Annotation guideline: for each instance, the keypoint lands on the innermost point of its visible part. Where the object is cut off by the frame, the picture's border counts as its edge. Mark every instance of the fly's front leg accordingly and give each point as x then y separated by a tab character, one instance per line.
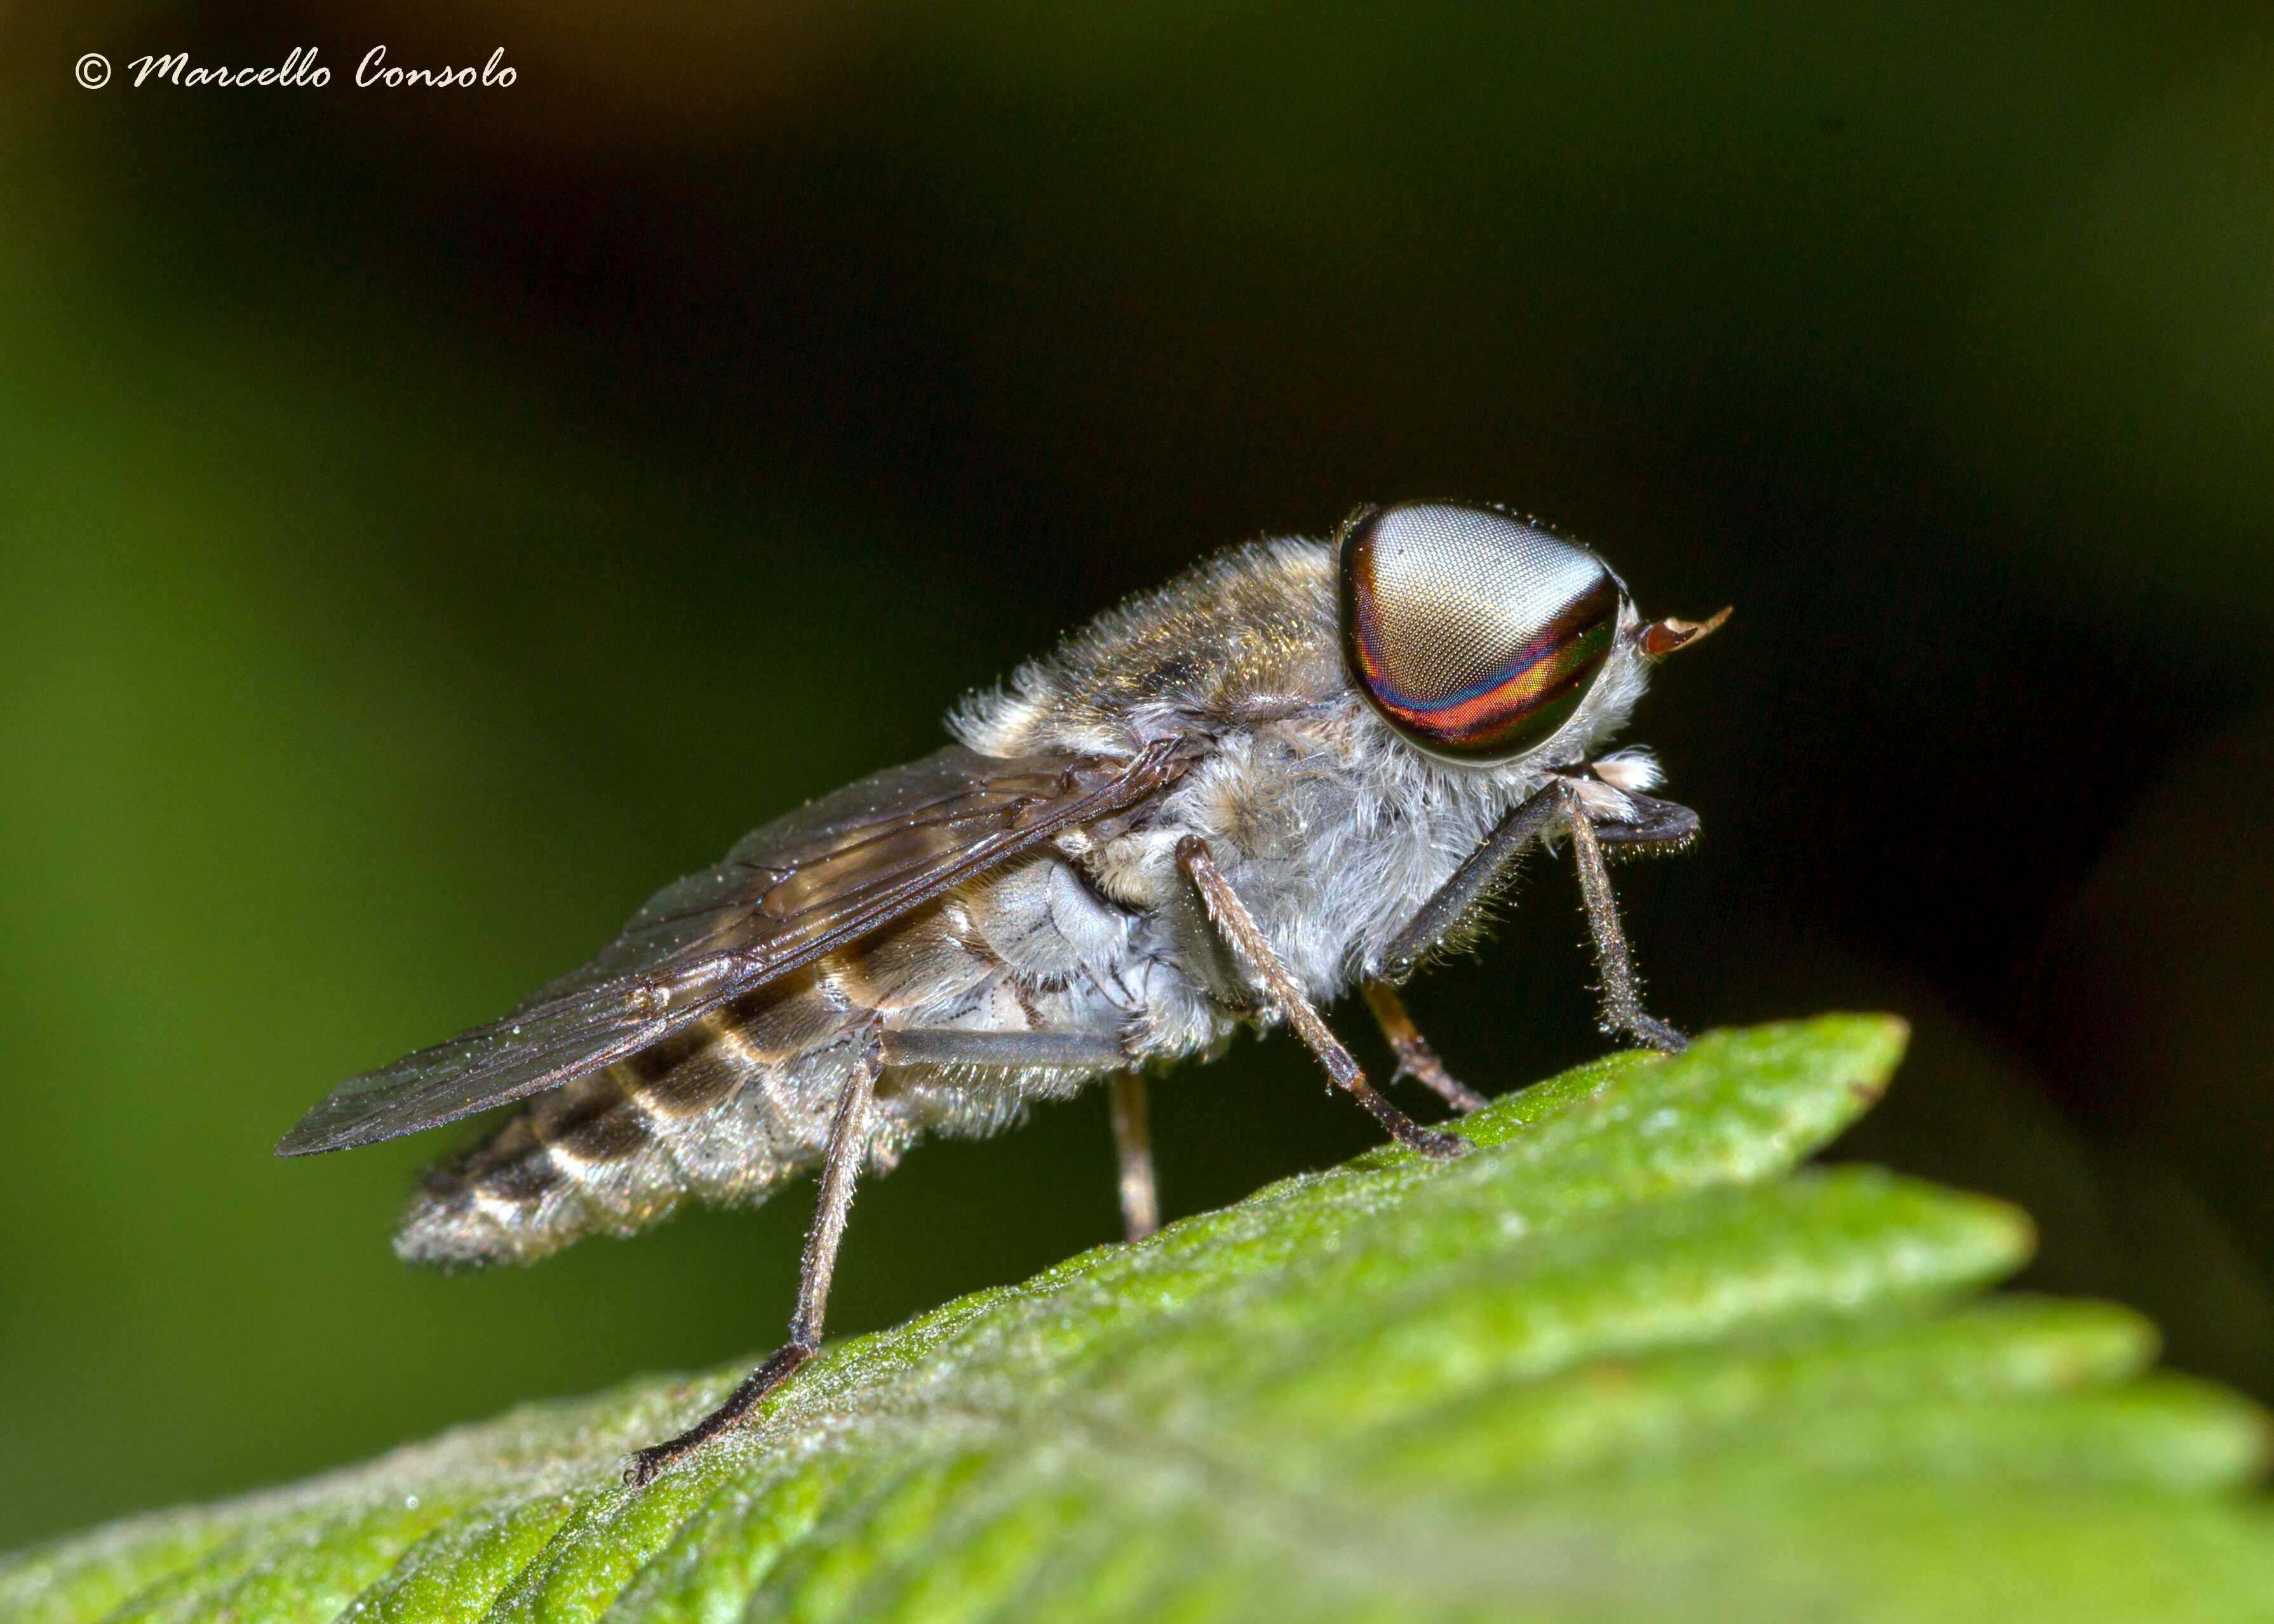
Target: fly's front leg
1622	1009
848	1142
1661	825
1416	1059
1479	874
1230	916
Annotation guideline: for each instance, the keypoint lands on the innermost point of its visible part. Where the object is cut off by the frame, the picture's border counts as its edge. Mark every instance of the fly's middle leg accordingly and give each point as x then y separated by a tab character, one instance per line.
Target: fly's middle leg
1140	1202
1230	916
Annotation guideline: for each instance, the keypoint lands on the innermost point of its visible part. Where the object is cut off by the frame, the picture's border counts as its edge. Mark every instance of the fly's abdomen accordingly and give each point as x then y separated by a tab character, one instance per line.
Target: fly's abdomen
724	1113
741	1101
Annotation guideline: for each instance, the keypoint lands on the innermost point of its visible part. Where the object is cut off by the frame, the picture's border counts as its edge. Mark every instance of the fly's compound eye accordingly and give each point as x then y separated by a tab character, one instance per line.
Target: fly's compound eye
1474	635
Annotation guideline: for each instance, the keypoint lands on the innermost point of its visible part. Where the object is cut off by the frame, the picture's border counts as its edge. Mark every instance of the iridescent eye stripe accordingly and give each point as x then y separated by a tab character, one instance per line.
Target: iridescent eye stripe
1518	703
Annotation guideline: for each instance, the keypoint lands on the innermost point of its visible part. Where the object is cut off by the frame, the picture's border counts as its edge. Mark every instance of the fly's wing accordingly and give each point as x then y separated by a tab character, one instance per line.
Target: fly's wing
787	894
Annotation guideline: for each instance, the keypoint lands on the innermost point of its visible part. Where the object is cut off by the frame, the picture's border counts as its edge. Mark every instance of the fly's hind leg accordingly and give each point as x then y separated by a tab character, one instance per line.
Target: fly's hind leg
1416	1059
1230	916
1141	1203
1133	1143
848	1142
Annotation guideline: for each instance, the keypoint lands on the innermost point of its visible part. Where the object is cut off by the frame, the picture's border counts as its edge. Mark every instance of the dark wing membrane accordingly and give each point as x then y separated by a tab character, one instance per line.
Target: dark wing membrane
787	894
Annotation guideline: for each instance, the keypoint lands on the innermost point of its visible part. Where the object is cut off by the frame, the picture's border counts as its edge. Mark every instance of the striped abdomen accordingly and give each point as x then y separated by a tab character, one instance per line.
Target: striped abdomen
741	1101
723	1112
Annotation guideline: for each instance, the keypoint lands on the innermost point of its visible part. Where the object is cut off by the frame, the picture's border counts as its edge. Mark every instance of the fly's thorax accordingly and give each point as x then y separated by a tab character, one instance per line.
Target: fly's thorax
1243	639
1248	632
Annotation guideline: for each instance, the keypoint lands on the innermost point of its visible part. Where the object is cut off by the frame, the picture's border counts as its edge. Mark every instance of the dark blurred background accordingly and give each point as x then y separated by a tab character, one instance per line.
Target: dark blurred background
430	520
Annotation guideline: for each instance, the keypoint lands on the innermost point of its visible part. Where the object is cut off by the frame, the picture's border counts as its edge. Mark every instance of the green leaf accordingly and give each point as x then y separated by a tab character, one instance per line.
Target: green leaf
1626	1362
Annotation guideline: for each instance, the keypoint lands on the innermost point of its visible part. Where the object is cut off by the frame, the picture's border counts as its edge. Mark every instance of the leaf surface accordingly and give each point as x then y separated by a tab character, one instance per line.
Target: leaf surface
1630	1361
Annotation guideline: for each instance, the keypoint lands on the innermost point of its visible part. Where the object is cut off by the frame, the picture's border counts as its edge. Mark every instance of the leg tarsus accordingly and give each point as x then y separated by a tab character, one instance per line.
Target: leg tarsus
1429	1142
1416	1059
780	1367
1657	1035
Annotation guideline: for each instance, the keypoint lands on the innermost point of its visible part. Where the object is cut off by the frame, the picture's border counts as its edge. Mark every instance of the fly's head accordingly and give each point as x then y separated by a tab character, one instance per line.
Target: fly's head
1479	637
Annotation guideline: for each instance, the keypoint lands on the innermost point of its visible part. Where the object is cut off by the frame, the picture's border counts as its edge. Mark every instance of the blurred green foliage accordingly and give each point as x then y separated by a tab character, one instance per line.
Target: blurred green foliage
427	525
1623	1363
